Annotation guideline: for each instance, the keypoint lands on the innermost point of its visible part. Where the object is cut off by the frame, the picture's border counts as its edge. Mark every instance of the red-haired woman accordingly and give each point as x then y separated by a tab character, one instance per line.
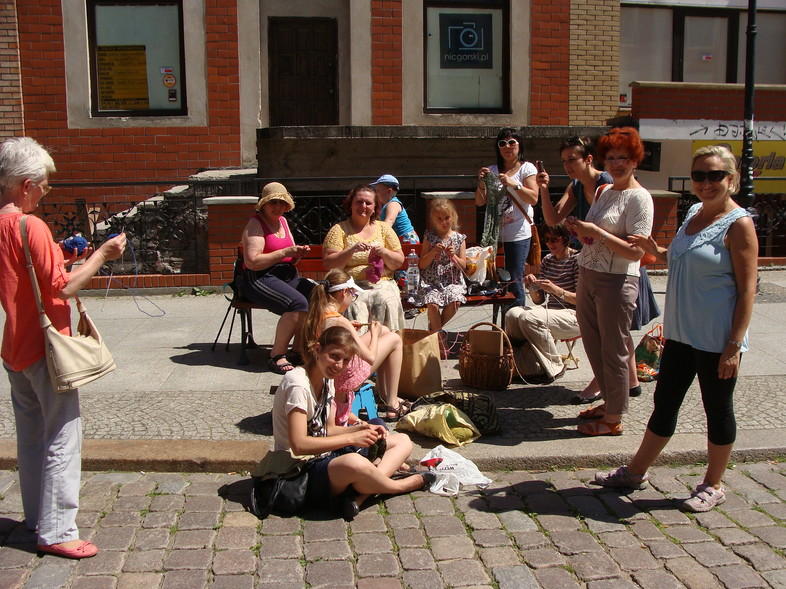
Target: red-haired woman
609	276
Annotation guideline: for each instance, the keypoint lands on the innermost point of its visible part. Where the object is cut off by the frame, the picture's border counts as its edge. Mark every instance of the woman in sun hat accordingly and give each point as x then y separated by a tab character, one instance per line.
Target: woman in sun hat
271	278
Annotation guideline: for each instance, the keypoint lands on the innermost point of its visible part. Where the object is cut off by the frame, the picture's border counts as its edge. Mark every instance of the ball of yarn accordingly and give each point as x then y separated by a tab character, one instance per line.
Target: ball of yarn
75	243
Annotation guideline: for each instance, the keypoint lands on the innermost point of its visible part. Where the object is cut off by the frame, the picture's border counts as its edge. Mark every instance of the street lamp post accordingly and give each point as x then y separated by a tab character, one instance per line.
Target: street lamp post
745	196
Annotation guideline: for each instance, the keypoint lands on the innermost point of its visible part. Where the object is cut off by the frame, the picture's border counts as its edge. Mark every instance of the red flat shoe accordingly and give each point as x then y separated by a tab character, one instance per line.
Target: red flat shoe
84	549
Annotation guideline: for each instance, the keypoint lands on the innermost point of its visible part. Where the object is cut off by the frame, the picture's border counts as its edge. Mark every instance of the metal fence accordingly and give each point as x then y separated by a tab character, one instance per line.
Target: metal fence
769	214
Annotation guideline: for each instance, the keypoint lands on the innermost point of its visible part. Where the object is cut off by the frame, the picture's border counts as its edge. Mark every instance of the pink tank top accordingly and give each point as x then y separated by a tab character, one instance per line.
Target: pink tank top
354	375
273	243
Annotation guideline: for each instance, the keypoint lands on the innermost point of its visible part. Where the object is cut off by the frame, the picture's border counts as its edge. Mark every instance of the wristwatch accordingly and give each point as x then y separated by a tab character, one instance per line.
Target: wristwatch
518	187
737	344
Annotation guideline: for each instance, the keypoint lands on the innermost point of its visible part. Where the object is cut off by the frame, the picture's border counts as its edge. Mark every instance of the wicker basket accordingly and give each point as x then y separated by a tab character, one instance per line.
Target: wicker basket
485	371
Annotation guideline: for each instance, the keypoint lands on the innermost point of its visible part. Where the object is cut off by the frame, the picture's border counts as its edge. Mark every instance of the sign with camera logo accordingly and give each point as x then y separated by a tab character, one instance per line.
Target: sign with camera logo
465	41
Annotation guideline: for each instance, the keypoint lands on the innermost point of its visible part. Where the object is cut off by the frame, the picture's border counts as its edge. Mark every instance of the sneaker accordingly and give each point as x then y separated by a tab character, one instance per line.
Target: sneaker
621	478
704	498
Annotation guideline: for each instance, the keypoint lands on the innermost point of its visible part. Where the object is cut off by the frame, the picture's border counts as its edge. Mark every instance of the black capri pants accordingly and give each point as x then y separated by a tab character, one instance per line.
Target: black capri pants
278	288
679	365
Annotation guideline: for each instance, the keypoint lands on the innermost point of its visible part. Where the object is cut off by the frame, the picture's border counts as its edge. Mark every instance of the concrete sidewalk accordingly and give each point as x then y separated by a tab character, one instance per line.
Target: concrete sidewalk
175	405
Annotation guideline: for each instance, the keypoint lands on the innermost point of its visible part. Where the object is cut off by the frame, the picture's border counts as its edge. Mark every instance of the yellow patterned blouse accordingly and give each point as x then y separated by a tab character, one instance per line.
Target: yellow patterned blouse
339	238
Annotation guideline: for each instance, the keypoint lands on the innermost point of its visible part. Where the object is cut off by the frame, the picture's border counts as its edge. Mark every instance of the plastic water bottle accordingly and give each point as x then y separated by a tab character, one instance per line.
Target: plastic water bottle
413	273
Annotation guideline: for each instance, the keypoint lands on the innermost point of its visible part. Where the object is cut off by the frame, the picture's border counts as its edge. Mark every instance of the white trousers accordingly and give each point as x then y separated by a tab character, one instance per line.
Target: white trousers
49	453
541	327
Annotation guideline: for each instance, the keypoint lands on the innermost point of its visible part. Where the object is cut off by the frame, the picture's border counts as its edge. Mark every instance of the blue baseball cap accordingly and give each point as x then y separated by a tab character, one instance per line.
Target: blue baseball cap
387	180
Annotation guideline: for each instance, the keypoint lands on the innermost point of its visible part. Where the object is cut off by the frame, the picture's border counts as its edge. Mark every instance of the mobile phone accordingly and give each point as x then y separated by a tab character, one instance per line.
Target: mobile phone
539	163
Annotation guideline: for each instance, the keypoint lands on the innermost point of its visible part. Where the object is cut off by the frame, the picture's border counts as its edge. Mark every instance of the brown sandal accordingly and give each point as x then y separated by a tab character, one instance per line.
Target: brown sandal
596	412
600	428
387	410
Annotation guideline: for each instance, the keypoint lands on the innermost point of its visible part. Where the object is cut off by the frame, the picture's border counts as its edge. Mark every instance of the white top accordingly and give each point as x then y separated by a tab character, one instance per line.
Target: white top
512	224
295	392
620	213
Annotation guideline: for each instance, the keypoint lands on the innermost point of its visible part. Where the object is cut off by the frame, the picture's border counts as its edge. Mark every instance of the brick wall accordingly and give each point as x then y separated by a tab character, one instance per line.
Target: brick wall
386	62
550	57
225	224
128	153
594	62
683	100
11	121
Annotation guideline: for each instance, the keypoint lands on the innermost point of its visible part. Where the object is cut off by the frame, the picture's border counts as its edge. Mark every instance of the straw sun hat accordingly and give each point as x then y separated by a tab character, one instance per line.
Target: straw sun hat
275	191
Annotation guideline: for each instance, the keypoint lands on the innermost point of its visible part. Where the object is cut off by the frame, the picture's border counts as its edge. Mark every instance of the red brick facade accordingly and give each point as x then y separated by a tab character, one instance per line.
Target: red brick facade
386	62
550	54
11	121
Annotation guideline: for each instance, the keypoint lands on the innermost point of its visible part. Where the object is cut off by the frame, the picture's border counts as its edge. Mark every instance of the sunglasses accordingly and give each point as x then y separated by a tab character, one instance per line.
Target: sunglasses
712	175
507	143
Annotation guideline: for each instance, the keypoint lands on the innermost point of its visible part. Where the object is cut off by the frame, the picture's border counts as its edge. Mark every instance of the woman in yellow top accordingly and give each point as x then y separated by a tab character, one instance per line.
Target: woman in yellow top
369	251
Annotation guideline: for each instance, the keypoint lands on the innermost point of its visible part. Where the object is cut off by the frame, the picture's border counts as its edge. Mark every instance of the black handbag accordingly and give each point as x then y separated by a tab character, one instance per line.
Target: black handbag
280	495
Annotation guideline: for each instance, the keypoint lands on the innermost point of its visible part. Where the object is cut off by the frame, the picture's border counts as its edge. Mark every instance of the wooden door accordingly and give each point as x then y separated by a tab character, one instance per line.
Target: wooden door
303	73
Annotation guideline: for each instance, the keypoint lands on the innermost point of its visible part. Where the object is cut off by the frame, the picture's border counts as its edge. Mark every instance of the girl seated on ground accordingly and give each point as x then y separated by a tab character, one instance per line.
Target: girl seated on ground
443	260
304	424
379	349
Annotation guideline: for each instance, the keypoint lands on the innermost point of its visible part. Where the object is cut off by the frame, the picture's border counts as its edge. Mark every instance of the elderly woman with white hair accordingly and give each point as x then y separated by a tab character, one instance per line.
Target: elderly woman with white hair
48	425
271	277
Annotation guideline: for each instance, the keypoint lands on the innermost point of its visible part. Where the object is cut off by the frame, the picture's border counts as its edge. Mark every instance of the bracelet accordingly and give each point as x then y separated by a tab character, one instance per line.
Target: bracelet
562	296
603	238
737	344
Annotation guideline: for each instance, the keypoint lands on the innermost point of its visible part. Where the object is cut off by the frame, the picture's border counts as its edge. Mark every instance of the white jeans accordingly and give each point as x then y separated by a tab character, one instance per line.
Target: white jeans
49	453
541	327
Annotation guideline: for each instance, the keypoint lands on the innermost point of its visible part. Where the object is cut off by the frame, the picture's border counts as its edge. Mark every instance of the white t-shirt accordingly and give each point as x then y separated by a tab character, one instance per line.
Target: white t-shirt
295	392
512	224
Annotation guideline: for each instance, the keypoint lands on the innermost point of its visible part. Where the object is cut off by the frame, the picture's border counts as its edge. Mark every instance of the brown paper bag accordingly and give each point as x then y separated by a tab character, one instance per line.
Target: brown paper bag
421	368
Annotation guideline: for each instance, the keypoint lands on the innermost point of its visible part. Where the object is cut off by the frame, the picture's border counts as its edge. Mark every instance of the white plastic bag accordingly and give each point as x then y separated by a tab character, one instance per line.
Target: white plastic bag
455	472
476	262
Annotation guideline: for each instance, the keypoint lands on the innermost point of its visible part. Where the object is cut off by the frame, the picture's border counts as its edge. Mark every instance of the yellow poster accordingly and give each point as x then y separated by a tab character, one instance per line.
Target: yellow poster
122	77
769	159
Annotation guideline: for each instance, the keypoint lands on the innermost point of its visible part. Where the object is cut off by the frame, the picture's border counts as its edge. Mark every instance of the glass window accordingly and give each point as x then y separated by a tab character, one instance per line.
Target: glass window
136	58
770	66
466	54
644	32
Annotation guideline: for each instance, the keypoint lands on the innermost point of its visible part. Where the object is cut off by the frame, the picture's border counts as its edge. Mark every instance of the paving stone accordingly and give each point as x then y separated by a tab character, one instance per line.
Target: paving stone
167	503
402	520
588	506
12	578
614	583
620	540
371	543
423	579
739	577
633	559
52	573
499	556
105	582
750	518
450	548
489	538
665	549
400	504
691	573
687	534
103	563
734	503
559	523
197	521
316	531
233	582
277	526
172	487
115	477
434	505
114	538
599	524
734	536
713	520
528	540
656	579
144	561
228	538
140	581
593	566
276	547
242	519
379	583
132	503
327	550
776	579
198	559
539	558
416	559
200	503
441	525
499	503
776	510
619	505
191	539
368	522
12	558
575	542
554	578
121	518
330	574
670	517
464	572
711	554
152	539
514	577
200	488
515	521
647	531
234	562
140	487
549	503
409	538
160	519
775	536
274	571
761	556
190	579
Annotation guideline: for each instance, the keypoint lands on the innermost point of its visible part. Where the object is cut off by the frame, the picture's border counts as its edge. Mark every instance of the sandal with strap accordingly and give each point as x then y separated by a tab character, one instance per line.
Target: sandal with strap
600	428
274	366
596	412
397	413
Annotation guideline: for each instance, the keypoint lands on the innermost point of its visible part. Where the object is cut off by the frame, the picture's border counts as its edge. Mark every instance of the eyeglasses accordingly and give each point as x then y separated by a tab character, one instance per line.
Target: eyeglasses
712	175
45	189
507	143
354	294
617	160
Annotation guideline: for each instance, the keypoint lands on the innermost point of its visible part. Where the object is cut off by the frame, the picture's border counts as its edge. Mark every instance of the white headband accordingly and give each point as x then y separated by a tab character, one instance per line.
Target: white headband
350	284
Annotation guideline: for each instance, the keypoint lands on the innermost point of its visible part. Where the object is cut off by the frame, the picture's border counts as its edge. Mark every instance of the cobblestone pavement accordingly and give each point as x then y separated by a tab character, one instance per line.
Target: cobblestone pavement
529	529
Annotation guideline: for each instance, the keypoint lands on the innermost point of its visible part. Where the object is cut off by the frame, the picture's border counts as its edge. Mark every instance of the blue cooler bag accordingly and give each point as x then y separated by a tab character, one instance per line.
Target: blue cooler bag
364	397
